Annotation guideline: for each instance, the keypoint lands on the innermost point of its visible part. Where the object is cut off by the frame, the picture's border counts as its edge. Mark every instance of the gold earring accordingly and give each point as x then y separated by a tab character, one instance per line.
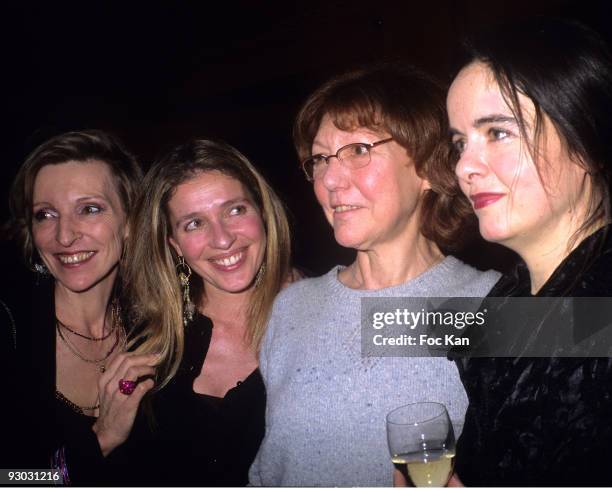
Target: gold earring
184	273
260	275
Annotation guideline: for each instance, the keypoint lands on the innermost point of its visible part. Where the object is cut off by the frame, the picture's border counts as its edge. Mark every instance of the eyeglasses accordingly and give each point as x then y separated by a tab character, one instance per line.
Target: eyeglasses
355	155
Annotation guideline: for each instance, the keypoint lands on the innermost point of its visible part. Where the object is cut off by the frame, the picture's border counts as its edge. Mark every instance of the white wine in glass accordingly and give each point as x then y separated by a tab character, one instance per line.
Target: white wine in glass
422	443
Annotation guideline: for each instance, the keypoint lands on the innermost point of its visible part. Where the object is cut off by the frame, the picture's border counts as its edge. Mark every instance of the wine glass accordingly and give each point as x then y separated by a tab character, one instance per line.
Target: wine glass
422	443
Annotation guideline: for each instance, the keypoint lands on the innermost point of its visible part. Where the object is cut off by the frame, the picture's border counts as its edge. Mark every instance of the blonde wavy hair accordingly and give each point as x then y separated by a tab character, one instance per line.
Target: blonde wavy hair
151	277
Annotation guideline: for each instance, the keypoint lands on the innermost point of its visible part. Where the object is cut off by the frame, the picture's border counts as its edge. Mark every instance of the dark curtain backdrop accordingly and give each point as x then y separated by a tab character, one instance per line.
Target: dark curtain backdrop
157	74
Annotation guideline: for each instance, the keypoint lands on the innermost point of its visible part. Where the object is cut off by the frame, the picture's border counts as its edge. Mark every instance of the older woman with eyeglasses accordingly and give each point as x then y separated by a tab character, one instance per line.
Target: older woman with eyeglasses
372	142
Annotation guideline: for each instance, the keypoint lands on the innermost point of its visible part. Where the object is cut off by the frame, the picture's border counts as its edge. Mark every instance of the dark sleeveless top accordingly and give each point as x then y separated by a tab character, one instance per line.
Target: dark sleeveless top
205	440
542	421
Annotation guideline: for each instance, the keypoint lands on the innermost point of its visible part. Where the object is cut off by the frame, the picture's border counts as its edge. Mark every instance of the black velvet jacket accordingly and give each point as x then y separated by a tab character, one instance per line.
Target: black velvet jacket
542	421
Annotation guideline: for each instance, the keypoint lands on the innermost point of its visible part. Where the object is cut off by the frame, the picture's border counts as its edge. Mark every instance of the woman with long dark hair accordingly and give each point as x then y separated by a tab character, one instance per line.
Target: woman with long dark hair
530	116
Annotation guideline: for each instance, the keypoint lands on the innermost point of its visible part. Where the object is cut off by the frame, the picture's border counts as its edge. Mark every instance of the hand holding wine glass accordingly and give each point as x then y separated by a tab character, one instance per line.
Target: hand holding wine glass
422	443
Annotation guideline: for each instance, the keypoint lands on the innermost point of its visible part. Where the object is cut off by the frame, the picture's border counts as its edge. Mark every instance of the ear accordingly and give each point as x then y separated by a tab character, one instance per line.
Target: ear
126	231
425	185
175	245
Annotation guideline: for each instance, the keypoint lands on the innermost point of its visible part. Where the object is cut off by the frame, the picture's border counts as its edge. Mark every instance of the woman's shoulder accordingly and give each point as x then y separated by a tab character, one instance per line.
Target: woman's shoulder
295	274
468	280
586	271
302	298
24	293
8	328
303	285
596	280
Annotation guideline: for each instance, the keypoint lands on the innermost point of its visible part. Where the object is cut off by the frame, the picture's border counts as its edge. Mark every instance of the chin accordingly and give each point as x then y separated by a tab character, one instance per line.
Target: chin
79	287
346	242
236	286
348	238
235	289
83	283
493	234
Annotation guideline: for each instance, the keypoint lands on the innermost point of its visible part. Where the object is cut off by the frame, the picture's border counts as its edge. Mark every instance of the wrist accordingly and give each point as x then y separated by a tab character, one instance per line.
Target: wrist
105	441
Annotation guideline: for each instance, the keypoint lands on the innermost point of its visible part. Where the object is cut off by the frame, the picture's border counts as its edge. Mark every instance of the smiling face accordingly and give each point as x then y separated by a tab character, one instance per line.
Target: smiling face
219	230
515	205
78	223
373	206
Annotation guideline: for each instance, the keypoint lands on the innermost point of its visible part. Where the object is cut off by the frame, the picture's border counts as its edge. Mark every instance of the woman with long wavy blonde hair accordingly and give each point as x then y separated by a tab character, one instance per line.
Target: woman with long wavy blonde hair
212	249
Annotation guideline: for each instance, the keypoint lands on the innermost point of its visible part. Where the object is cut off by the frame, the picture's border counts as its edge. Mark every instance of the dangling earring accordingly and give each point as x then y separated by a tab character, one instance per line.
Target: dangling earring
41	269
184	273
37	265
260	275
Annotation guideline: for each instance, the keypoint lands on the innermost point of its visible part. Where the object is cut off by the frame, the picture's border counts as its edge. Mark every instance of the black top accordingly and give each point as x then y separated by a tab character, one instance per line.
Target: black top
205	440
542	421
191	438
37	428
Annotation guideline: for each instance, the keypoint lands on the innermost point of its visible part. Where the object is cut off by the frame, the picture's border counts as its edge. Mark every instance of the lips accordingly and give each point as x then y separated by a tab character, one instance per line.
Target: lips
74	259
483	199
229	261
343	208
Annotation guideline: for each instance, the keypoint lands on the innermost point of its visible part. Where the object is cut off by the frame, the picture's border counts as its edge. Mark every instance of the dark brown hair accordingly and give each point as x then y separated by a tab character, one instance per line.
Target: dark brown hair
565	69
410	106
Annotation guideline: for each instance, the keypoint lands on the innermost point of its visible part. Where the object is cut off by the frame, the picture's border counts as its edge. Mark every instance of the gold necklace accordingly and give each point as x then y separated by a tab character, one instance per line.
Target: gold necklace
100	362
95	339
114	319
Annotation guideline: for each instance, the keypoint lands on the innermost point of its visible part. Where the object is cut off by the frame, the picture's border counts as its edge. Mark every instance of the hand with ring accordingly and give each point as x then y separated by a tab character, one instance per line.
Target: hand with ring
121	387
127	387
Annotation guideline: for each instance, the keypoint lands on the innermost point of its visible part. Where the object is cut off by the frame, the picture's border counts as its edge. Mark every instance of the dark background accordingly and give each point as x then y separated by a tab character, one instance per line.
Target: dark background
157	74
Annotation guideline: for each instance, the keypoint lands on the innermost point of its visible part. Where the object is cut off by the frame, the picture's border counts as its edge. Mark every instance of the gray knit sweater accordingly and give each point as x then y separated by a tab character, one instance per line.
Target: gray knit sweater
326	404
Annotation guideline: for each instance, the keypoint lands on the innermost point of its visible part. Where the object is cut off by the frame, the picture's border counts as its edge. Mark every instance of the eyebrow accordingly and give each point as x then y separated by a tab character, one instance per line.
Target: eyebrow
79	200
93	196
361	140
494	118
481	121
42	203
316	143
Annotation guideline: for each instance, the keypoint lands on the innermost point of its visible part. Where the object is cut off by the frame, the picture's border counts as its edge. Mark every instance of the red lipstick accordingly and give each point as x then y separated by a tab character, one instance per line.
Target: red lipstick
483	199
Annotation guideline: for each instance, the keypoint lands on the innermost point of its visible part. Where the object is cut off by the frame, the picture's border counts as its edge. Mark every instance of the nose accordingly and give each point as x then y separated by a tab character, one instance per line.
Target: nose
471	164
336	175
222	237
67	231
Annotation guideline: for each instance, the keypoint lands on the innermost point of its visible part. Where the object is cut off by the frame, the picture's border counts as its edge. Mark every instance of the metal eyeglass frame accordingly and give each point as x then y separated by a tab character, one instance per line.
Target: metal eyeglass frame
368	146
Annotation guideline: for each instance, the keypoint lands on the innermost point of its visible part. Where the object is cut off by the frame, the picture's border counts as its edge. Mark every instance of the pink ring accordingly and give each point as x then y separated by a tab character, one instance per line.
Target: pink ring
126	386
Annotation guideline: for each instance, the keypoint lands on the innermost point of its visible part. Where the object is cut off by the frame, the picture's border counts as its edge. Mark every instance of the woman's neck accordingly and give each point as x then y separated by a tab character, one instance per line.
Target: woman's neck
225	306
87	312
547	253
391	265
